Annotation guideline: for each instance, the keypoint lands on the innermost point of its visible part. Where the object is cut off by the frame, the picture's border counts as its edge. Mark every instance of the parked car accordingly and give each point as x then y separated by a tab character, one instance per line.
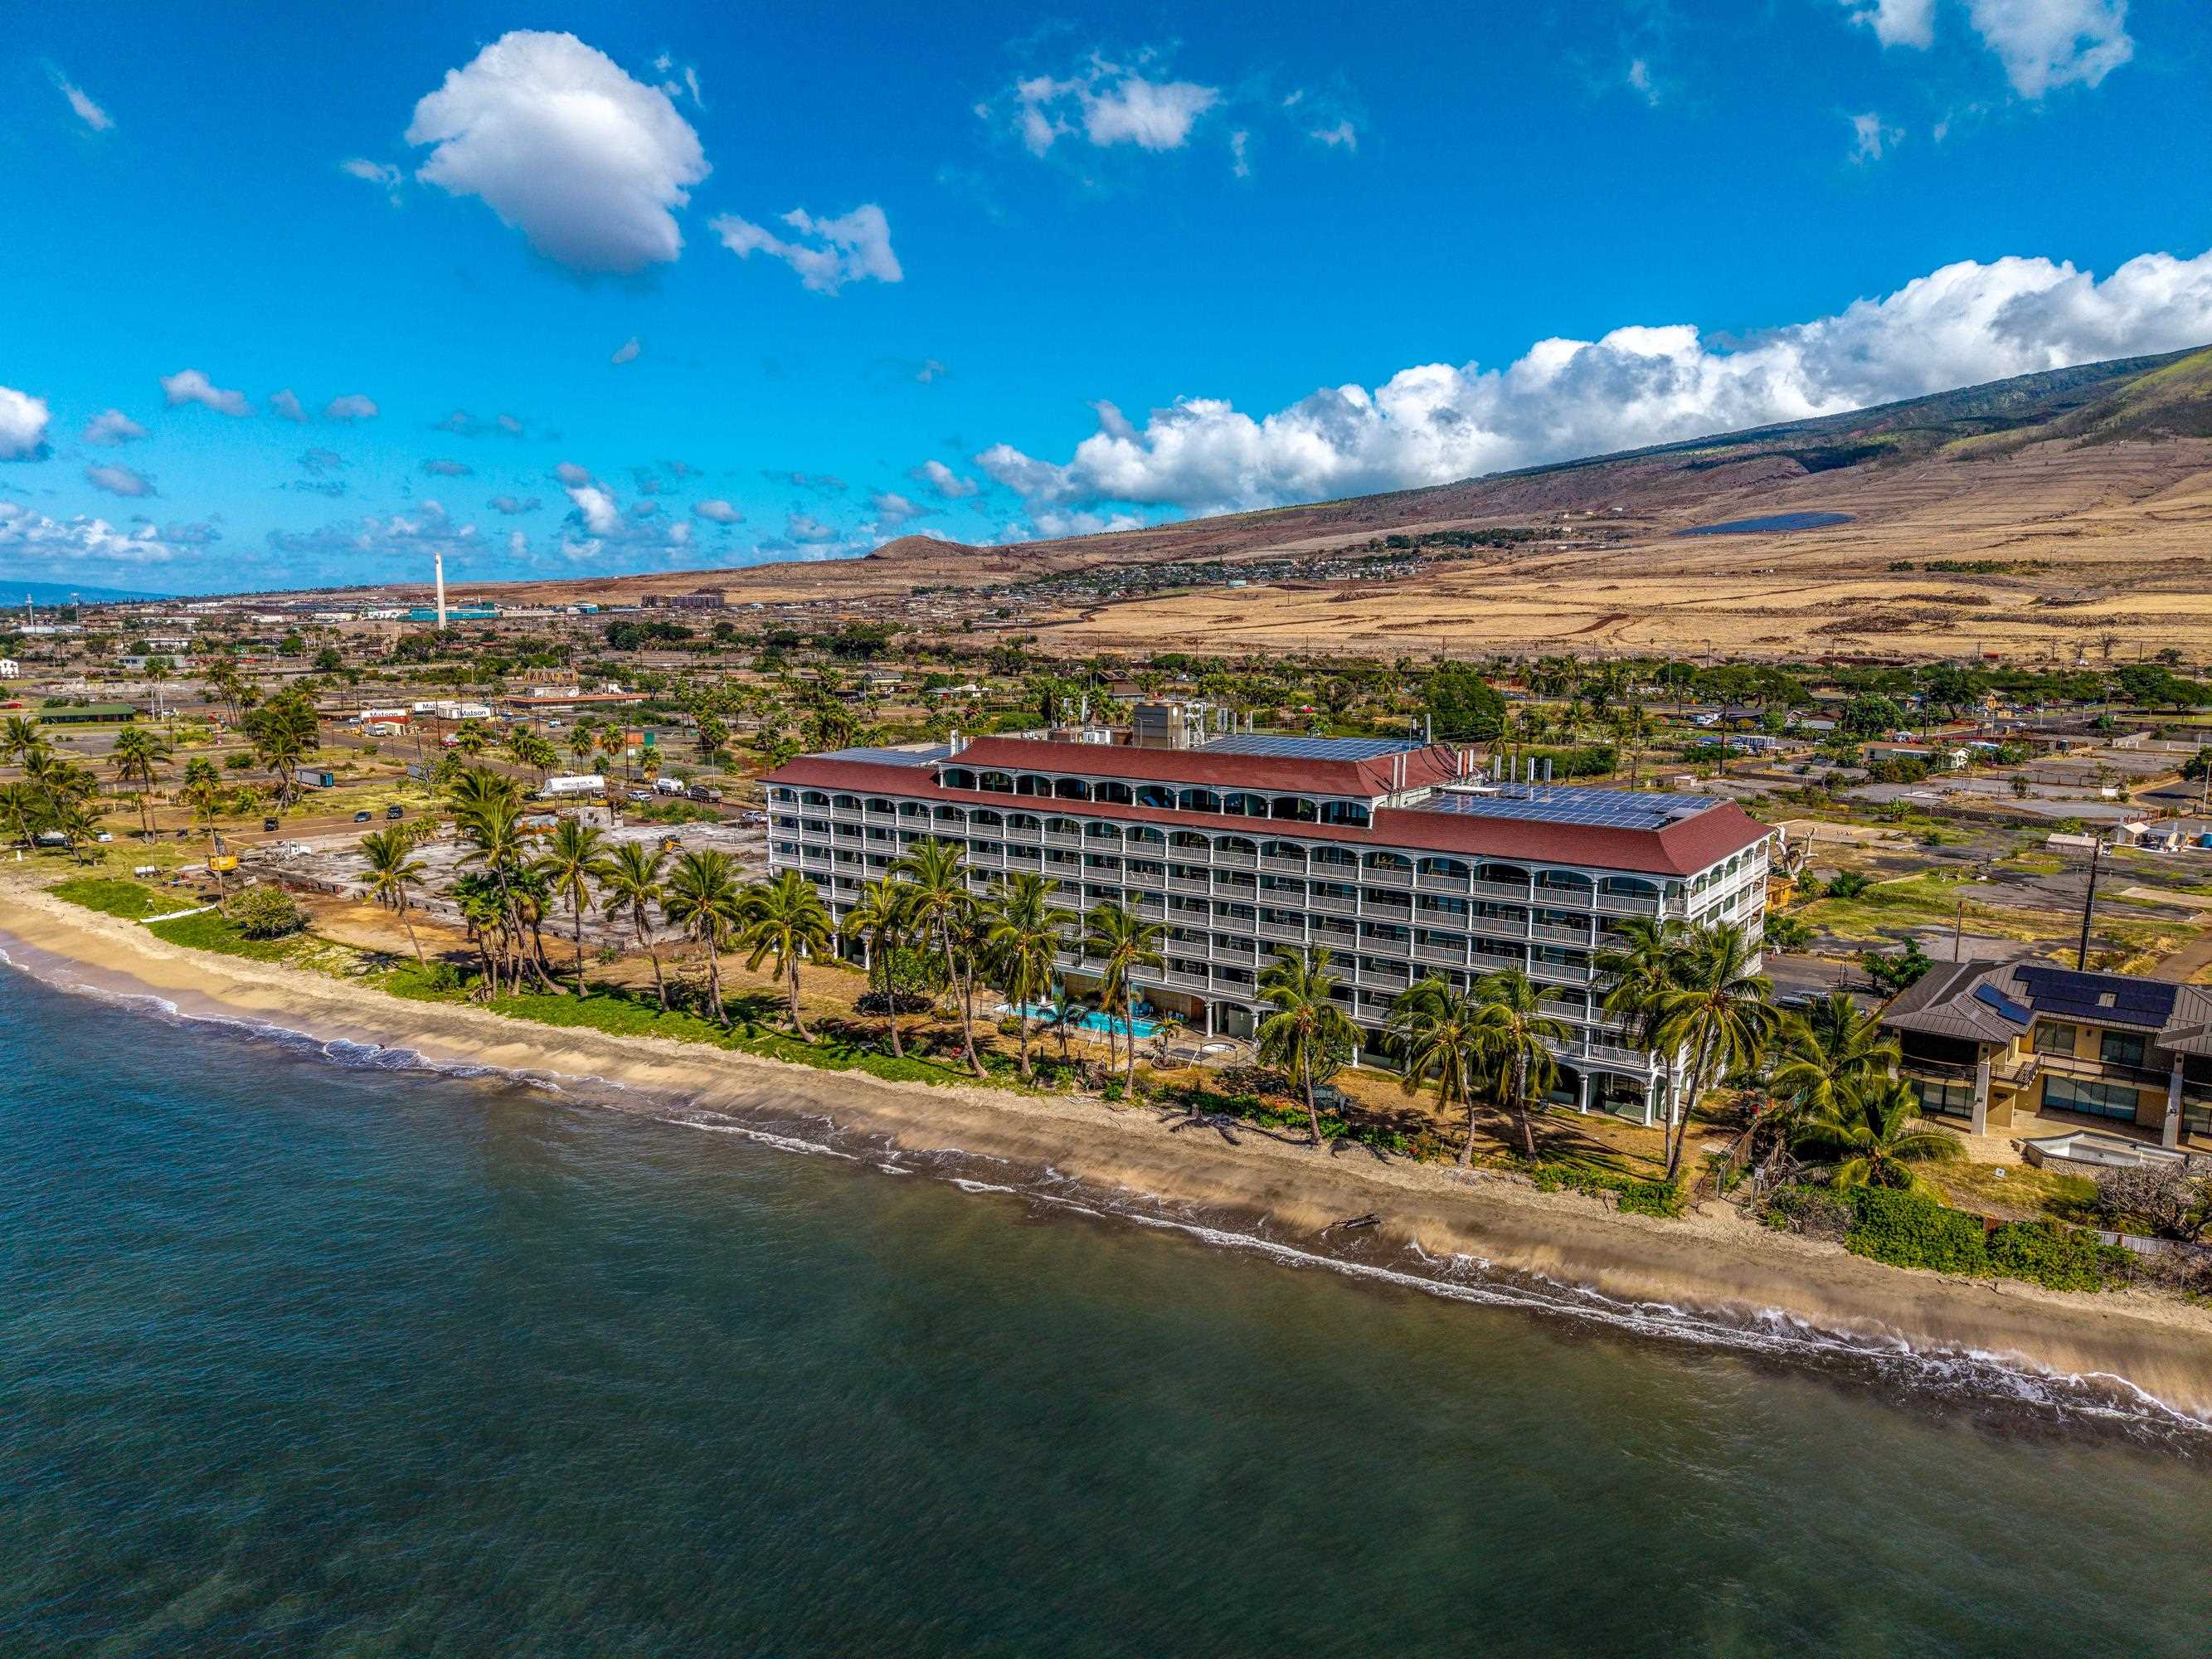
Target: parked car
640	796
103	837
361	817
268	826
395	812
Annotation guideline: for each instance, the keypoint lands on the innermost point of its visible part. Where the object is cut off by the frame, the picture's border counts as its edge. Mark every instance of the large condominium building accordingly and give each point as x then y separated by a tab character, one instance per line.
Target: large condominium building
1401	859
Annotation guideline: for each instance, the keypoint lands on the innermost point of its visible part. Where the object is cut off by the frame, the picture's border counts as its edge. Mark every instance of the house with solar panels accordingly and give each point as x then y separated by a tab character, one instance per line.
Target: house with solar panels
1993	1044
1401	857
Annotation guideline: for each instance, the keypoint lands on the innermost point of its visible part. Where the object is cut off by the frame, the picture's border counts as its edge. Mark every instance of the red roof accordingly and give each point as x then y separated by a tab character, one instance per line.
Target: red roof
1362	778
1681	849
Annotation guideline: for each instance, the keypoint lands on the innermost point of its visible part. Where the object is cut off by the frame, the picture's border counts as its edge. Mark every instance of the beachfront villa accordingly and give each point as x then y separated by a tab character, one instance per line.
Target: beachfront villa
1996	1043
1402	858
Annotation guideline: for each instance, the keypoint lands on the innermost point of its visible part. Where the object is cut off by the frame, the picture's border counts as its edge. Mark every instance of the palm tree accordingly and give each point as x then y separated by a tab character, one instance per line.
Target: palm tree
785	919
1433	1032
1719	1011
22	806
576	856
703	900
882	921
1515	1035
1122	941
1024	938
393	870
1870	1135
138	754
630	883
1828	1051
19	735
937	891
1309	1036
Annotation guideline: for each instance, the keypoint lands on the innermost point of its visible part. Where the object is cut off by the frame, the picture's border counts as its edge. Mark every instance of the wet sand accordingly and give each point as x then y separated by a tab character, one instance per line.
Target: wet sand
1240	1183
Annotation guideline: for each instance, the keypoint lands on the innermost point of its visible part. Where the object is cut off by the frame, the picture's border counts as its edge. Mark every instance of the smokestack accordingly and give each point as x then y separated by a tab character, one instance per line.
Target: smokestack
1548	768
438	573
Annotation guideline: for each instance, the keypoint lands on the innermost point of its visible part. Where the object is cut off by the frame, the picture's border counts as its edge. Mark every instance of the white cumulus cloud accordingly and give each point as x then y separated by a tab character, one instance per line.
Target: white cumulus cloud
827	253
1870	138
27	532
350	406
111	426
2041	44
118	480
1108	104
628	351
596	509
943	480
285	405
382	174
1898	22
87	111
1343	135
717	511
189	385
565	146
23	420
1964	323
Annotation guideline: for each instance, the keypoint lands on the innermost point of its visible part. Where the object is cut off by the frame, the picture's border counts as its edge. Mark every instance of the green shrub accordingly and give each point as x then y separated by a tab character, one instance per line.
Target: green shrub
2061	1258
266	913
1635	1195
1908	1230
1814	1211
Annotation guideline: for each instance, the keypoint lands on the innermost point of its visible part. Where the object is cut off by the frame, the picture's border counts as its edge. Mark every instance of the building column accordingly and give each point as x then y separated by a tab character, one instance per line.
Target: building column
1206	1013
1581	1093
1981	1097
2169	1135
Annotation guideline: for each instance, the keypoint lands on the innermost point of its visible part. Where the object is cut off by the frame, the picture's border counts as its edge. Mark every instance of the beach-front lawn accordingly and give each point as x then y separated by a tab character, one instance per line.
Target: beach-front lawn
112	896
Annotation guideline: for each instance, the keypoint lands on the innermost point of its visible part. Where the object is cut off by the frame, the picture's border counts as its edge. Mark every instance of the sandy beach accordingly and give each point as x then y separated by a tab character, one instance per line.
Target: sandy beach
1712	1265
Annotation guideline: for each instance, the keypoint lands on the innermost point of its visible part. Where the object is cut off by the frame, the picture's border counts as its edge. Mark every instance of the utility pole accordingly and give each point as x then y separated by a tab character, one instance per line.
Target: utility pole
1958	927
2088	905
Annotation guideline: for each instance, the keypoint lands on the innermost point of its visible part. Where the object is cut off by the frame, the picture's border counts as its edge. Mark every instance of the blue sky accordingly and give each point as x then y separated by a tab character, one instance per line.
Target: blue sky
655	287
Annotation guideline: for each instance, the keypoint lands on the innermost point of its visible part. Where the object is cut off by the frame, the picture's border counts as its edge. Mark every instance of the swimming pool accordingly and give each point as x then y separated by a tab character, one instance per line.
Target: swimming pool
1095	1021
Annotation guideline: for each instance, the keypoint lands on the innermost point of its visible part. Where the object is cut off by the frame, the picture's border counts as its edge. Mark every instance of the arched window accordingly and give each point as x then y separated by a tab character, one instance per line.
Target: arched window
1188	840
998	783
1628	887
949	815
1198	800
1283	849
912	808
1070	789
1062	827
1296	808
1144	835
1155	795
1236	844
1332	858
881	803
983	818
1564	881
814	798
957	777
1511	875
1443	867
847	803
1101	832
1120	794
1032	783
782	796
1027	821
1344	811
1391	861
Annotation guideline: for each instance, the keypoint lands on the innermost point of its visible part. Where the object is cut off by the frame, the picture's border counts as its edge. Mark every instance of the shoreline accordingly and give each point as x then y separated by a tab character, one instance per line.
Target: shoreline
1709	1277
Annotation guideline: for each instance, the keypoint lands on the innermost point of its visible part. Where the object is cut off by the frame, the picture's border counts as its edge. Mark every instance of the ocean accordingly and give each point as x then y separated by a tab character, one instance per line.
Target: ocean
309	1352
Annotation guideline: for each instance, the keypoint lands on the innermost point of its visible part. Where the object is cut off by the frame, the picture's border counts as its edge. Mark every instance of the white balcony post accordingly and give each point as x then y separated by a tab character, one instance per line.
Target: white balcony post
2170	1134
1982	1097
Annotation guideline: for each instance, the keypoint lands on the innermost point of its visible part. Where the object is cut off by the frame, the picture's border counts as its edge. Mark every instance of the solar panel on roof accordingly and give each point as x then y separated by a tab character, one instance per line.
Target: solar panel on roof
2073	994
890	756
1990	997
1294	748
1610	808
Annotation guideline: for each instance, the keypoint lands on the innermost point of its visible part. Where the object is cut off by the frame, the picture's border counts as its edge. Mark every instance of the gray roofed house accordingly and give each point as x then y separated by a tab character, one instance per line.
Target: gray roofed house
1993	1042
